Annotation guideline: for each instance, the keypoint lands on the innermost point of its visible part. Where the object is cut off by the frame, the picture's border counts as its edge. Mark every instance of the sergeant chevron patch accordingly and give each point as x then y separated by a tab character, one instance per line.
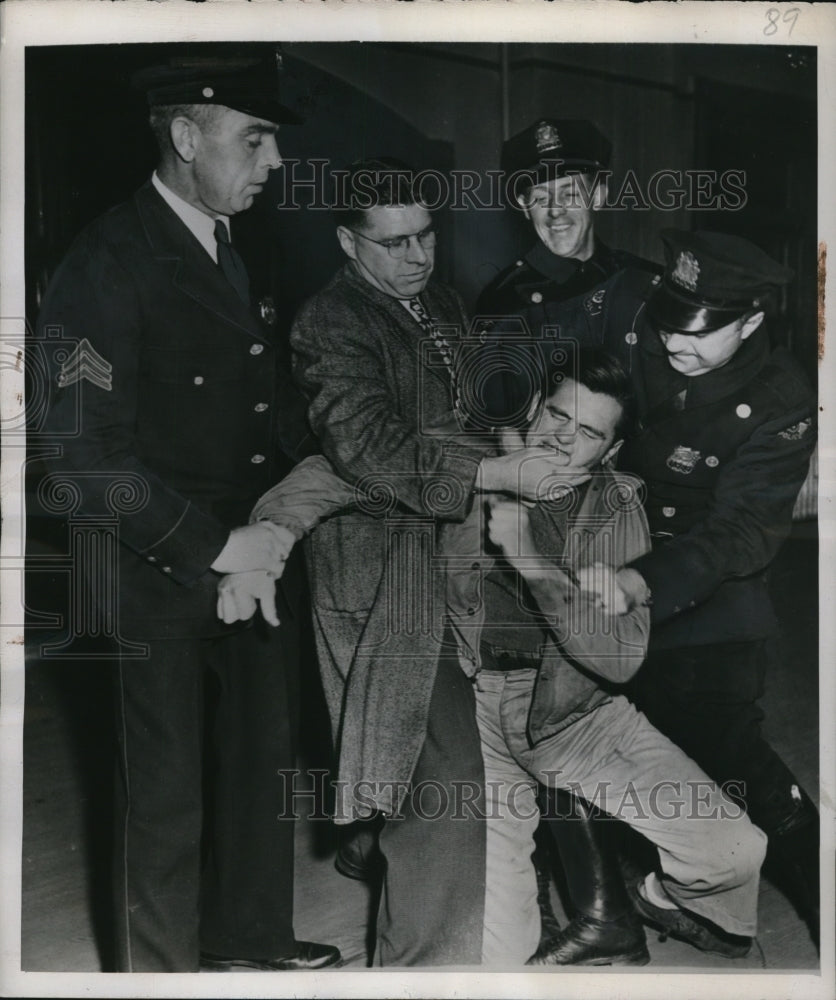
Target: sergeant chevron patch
86	362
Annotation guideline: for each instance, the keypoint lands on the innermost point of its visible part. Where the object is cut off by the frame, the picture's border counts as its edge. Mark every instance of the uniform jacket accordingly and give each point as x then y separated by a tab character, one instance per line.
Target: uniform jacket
377	388
511	313
587	651
199	417
529	284
723	456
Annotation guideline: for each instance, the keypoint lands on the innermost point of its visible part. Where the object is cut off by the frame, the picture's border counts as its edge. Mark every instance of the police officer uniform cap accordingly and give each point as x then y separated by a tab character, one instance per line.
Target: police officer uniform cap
555	147
245	84
710	280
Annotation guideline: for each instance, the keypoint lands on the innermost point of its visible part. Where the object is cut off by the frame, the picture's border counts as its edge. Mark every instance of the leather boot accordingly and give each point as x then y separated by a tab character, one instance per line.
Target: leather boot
549	924
606	929
792	861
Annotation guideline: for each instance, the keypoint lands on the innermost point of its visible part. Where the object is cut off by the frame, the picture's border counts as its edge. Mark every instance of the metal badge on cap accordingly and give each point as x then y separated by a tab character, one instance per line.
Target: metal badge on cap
267	310
547	138
687	270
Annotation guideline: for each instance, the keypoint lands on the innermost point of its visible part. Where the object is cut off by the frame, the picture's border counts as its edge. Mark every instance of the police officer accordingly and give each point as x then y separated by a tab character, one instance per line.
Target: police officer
726	433
555	173
189	406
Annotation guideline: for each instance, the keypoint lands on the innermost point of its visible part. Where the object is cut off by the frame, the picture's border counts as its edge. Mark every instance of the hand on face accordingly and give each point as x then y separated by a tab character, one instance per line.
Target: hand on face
577	424
532	474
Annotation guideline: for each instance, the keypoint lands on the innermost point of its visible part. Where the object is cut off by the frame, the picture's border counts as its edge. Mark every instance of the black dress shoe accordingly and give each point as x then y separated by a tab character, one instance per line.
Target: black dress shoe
686	926
308	955
586	941
358	855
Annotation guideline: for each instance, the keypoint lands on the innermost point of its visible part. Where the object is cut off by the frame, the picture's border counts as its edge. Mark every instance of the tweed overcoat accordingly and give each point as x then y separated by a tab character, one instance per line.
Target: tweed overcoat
378	389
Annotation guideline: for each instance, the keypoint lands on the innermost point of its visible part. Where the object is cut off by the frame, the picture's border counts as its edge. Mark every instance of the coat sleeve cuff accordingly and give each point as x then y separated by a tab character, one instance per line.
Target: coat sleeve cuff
678	581
188	549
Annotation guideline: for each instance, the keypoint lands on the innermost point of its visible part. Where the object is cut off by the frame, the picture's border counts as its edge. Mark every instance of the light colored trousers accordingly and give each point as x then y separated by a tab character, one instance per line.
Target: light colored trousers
710	852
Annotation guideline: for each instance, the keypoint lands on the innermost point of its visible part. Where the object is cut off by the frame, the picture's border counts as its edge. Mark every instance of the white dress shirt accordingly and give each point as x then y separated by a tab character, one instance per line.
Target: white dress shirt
199	224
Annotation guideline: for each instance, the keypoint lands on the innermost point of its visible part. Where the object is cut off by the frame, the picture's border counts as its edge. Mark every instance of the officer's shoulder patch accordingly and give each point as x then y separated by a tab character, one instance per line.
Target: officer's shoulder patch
797	431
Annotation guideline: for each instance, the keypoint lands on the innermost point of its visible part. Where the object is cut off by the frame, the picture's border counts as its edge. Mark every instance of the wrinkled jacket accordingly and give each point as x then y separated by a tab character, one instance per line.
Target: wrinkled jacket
377	387
586	646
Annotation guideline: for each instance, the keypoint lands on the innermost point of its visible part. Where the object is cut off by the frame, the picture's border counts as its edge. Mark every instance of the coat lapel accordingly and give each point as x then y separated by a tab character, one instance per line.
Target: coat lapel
408	330
193	271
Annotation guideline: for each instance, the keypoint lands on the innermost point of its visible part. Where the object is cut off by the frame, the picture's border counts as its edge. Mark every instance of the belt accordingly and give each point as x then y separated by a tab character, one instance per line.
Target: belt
504	660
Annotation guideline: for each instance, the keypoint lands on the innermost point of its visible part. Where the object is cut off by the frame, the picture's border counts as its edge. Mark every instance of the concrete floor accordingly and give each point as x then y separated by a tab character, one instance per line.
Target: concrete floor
65	924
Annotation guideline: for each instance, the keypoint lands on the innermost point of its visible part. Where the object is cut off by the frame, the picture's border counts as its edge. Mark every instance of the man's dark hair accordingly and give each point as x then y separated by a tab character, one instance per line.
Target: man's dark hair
371	183
598	371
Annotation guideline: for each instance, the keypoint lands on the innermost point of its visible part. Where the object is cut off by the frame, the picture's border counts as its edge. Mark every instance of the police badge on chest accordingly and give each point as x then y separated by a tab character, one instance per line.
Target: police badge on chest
683	459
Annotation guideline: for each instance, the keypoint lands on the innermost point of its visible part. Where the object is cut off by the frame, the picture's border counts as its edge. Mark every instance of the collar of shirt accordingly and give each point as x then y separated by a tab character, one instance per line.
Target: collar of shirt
561	269
700	390
199	224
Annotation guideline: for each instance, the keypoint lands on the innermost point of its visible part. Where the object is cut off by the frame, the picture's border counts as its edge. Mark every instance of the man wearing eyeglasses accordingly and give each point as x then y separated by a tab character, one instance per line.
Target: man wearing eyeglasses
376	353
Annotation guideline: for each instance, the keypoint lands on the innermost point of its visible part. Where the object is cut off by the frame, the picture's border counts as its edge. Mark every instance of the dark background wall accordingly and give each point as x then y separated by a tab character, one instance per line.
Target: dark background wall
665	107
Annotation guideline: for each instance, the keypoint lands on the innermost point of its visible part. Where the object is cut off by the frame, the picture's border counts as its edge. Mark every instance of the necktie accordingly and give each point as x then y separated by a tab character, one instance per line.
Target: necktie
230	262
416	308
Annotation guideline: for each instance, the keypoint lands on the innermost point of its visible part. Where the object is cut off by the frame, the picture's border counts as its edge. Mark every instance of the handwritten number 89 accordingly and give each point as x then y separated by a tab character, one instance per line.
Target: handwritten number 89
773	17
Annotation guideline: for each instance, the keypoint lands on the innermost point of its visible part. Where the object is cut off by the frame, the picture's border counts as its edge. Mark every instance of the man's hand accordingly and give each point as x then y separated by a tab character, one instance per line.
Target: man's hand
535	474
599	582
510	529
618	591
633	588
240	593
259	546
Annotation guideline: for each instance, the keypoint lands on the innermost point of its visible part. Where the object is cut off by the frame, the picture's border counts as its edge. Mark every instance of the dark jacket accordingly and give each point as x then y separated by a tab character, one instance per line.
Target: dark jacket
200	415
507	362
723	456
530	283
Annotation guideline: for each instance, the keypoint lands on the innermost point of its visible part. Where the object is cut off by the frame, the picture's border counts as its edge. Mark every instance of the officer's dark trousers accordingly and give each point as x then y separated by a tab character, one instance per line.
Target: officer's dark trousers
202	860
433	898
705	698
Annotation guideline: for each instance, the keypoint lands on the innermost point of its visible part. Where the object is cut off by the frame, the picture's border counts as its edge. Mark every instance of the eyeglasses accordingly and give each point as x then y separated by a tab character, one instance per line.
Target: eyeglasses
398	245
